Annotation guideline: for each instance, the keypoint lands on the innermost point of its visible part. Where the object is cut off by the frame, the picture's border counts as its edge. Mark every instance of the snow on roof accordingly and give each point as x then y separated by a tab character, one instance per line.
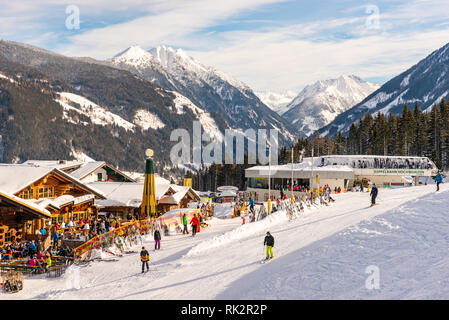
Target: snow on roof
27	203
16	177
62	201
227	193
87	168
302	170
127	194
60	164
223	188
176	197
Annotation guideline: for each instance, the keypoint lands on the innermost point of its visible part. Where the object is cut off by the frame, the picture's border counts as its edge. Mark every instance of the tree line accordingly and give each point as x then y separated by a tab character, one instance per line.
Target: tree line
414	132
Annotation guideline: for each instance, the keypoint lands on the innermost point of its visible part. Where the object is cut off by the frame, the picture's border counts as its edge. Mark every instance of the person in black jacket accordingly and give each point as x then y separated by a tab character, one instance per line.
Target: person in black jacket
373	194
157	240
269	242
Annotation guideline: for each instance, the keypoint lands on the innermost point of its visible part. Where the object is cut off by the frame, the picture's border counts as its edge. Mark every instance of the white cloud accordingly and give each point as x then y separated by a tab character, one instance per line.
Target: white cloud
169	22
277	60
283	55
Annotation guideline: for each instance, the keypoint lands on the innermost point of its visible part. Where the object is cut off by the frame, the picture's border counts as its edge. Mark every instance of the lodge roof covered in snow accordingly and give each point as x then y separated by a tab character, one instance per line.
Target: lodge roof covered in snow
128	194
87	168
16	177
300	170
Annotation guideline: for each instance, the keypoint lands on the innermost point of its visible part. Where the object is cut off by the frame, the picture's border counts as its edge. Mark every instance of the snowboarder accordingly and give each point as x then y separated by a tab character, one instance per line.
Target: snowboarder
194	222
269	242
438	180
184	222
373	194
157	240
144	257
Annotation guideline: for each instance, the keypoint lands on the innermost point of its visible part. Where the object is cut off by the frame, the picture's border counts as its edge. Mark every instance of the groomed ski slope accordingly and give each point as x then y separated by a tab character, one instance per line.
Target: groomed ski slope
322	254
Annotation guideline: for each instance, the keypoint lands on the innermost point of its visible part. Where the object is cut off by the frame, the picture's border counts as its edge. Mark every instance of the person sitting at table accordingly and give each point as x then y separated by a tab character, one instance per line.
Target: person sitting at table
32	262
40	257
7	254
70	225
48	261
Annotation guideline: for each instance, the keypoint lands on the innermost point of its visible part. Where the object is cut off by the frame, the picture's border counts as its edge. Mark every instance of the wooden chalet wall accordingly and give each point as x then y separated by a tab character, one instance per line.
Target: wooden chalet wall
53	186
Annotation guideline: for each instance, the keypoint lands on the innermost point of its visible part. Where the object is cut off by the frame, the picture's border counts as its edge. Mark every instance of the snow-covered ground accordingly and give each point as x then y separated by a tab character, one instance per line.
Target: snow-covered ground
323	254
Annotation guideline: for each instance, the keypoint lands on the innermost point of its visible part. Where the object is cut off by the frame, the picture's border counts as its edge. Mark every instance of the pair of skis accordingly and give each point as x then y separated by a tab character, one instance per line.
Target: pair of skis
266	260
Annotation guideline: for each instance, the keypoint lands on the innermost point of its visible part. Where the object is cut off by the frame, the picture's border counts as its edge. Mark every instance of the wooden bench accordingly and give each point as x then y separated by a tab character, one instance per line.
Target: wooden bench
22	268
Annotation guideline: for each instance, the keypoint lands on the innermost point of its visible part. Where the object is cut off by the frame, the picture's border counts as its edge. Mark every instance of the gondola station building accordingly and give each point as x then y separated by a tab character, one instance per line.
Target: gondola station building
343	172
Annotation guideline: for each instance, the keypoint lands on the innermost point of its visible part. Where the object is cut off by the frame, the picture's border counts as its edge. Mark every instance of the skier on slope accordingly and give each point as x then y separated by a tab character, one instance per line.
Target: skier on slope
144	257
184	223
157	240
269	242
373	194
438	180
194	222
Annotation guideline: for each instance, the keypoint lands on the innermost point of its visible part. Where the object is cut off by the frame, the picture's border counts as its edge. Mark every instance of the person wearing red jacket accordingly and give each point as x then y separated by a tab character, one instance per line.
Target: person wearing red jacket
194	222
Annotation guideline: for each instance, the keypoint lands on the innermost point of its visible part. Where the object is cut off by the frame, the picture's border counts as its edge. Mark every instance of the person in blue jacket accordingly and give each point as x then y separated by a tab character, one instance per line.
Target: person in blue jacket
32	249
55	238
251	204
438	180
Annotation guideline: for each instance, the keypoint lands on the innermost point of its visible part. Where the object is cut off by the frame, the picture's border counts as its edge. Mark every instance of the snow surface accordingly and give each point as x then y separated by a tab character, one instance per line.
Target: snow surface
97	114
325	253
276	101
147	120
207	122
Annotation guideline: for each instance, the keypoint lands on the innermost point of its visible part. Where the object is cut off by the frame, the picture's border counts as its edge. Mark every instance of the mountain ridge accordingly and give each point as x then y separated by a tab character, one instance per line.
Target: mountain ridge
425	83
319	103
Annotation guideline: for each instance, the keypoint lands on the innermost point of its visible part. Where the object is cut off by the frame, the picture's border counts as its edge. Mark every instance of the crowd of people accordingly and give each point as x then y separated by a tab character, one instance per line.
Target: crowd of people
33	253
380	163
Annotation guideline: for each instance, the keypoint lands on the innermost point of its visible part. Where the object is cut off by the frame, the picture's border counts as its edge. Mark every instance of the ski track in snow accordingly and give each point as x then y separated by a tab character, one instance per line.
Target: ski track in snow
323	254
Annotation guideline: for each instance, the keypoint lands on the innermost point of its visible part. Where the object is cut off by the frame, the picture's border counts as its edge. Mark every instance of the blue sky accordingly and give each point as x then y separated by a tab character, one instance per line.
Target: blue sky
275	45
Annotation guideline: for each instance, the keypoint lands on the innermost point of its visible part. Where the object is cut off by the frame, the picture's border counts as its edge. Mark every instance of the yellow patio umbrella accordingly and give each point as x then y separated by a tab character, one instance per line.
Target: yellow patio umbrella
149	206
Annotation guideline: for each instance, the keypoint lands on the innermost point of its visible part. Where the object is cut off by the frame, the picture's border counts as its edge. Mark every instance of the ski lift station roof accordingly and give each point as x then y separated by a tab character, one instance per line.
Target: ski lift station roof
302	170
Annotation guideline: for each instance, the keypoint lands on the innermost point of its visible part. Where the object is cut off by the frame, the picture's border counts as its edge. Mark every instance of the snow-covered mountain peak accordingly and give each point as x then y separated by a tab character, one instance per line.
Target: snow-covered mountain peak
173	60
134	56
319	103
231	101
135	51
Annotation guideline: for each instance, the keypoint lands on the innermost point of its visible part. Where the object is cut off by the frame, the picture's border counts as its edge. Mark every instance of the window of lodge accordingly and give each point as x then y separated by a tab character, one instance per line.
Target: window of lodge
46	192
27	194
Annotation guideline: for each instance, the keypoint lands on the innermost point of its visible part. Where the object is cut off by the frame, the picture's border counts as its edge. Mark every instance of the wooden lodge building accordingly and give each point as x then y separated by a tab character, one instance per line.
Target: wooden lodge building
124	199
33	197
15	213
39	194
